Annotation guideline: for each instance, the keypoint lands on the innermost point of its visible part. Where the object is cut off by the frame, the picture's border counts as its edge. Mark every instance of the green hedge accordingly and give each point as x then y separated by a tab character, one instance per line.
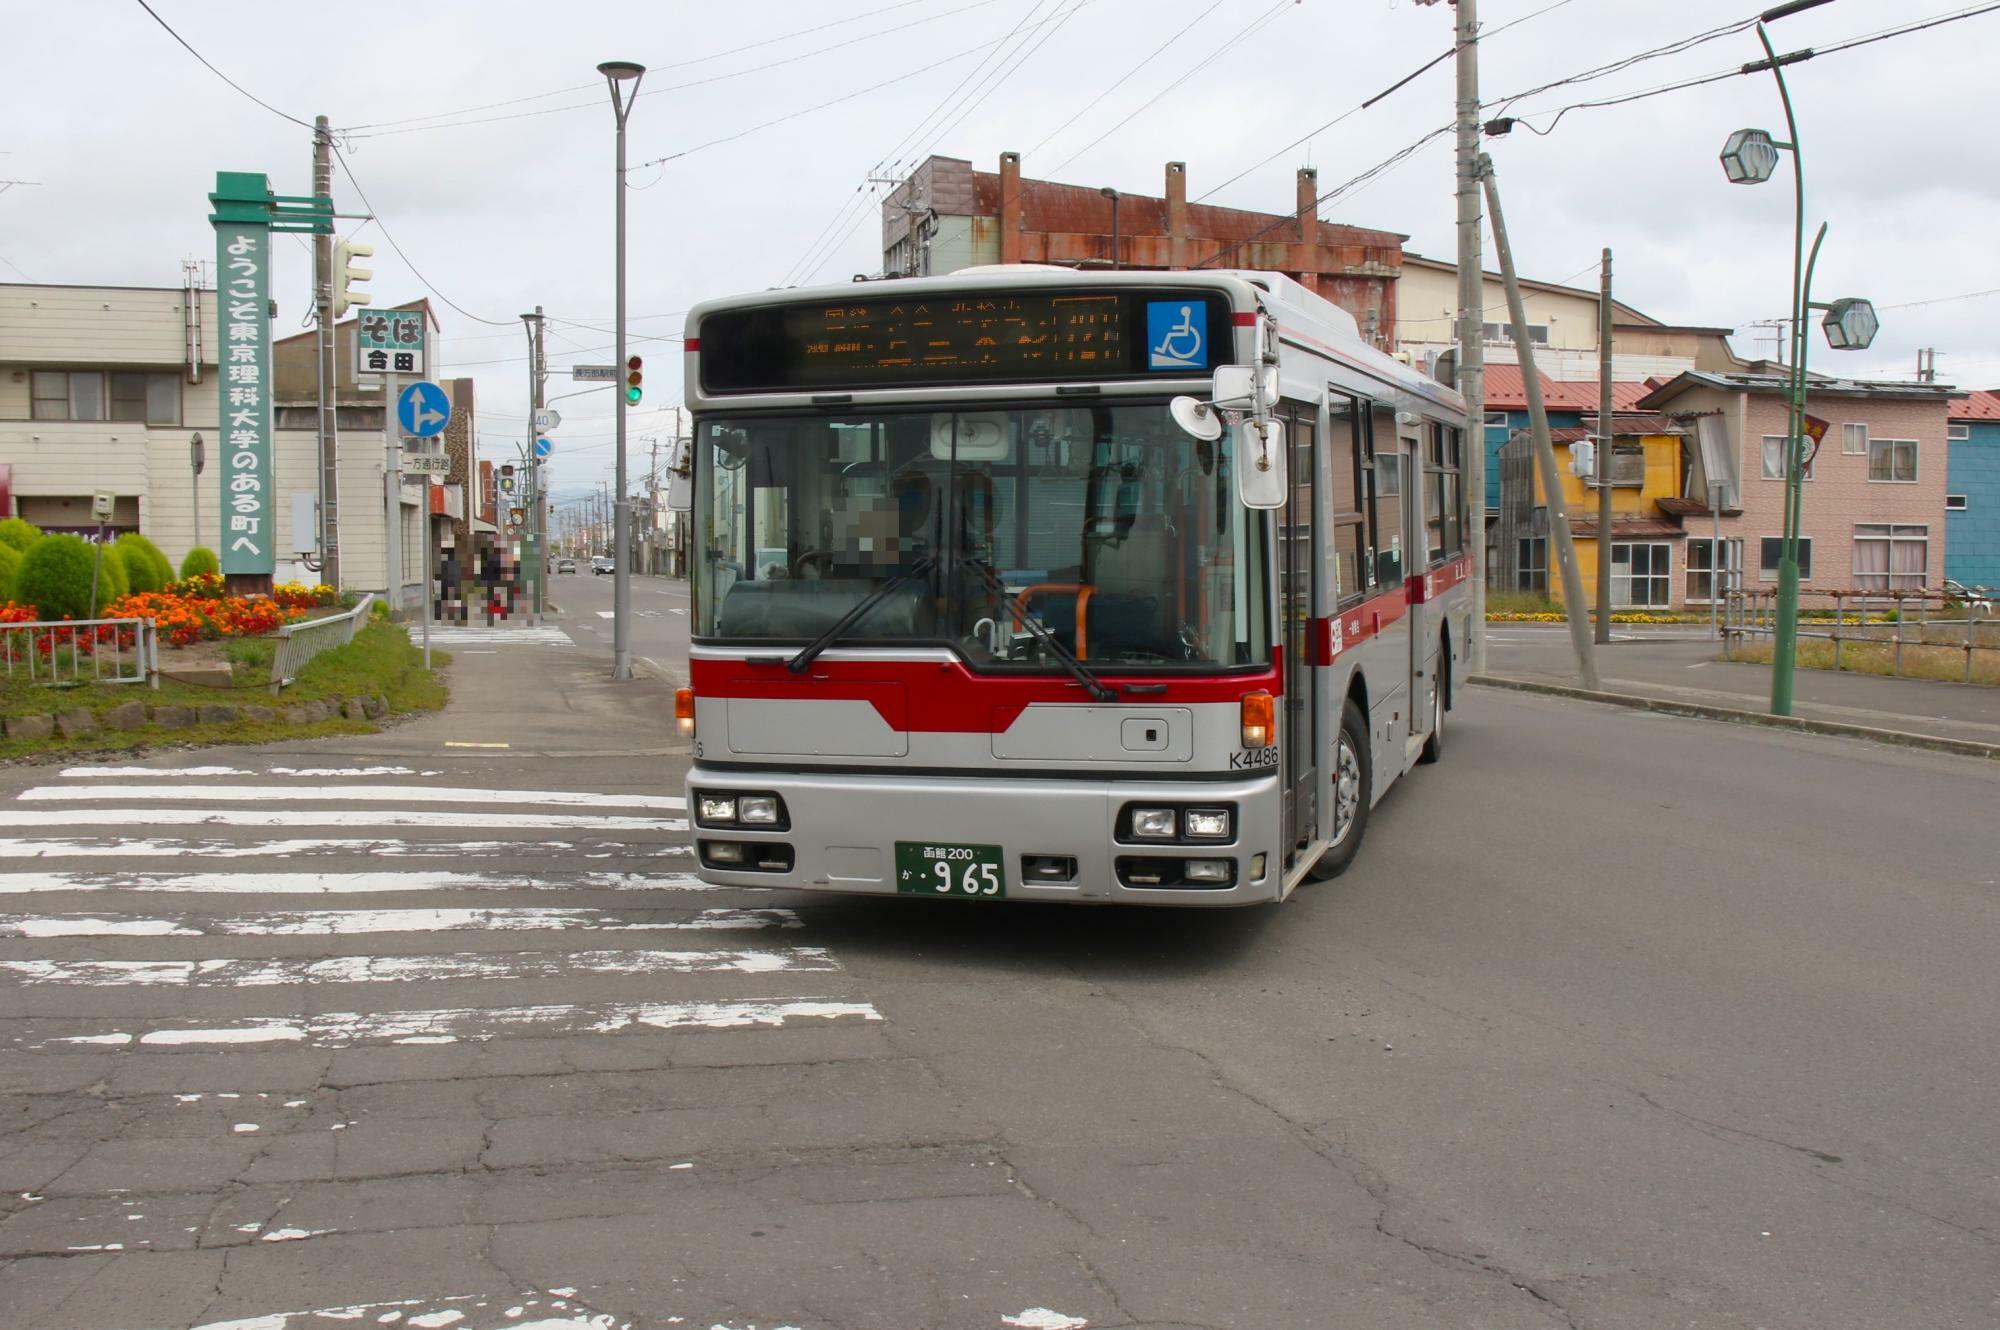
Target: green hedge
55	577
113	582
200	559
145	567
10	568
19	534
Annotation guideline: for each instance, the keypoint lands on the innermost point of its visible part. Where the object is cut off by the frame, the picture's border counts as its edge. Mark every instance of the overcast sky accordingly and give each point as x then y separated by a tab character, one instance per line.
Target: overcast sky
124	130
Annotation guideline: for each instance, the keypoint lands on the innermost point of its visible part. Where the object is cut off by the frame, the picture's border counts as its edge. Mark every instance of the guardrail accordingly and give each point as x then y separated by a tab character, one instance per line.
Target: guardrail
118	650
1904	625
300	642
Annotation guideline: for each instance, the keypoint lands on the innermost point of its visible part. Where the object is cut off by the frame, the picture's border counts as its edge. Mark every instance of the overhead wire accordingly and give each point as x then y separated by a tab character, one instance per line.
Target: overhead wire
218	73
1122	79
423	281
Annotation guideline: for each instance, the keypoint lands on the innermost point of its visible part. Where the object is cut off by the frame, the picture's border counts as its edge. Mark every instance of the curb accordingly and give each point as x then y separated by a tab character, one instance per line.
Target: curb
1703	711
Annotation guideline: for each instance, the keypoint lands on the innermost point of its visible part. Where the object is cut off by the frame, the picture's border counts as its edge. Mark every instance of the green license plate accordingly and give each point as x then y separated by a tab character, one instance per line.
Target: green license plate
975	872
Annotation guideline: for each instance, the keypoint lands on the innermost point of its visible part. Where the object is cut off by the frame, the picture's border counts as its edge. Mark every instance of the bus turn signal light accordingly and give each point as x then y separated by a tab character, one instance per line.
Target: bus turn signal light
684	710
1258	711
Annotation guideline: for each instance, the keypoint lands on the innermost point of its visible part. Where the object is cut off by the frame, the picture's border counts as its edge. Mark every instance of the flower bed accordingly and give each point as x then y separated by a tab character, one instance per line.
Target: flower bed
196	609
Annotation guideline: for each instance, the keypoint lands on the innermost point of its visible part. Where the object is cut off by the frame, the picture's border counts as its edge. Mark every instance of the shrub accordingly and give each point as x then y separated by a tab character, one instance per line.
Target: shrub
113	582
55	577
10	568
200	559
145	567
19	534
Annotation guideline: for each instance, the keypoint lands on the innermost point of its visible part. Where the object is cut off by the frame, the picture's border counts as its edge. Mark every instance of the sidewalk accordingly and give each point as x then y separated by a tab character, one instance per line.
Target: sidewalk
1688	669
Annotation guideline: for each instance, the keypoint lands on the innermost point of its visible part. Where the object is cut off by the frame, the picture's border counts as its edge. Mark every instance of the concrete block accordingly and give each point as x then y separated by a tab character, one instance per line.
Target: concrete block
126	716
354	710
76	721
216	713
297	715
260	715
172	718
30	727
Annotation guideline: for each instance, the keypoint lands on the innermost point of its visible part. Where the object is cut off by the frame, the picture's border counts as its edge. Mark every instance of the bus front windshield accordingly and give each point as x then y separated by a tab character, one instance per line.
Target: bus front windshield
1103	528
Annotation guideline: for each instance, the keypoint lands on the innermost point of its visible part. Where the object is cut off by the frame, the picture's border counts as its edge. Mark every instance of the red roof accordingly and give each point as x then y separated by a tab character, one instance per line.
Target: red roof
1624	425
1982	405
1505	391
1624	528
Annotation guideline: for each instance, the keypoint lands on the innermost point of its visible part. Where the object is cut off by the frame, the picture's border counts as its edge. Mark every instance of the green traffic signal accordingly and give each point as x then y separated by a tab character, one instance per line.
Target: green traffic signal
632	395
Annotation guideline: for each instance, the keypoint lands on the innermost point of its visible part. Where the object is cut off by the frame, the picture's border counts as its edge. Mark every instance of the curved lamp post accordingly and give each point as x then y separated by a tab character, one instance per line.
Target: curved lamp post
1750	157
622	77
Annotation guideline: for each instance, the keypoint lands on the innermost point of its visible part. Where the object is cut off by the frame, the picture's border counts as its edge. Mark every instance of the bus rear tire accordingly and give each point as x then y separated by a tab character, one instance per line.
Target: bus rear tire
1353	791
1433	748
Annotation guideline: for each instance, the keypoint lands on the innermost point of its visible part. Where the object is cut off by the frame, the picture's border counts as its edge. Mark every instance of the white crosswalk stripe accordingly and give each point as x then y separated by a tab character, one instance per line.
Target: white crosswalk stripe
440	911
508	635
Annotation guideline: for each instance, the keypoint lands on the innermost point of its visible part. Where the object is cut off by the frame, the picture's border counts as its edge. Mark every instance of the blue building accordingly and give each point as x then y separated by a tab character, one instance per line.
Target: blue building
1972	491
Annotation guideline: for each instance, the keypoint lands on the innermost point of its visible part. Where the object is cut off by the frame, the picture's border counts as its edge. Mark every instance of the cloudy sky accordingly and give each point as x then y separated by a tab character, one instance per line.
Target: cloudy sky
483	139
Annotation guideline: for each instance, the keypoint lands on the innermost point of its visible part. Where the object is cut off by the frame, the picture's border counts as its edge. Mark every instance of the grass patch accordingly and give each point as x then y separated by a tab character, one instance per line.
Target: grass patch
1520	602
1939	663
380	659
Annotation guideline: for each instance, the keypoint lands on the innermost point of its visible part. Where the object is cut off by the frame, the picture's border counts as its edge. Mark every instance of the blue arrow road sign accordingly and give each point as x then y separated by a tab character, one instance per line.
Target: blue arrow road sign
423	409
542	447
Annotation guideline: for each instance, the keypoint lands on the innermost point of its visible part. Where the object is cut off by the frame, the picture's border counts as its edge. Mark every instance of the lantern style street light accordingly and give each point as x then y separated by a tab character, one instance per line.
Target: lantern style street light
622	78
1750	157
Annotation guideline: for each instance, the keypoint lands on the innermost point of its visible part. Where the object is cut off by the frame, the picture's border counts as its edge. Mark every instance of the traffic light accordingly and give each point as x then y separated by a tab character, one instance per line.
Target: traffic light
507	478
634	379
345	275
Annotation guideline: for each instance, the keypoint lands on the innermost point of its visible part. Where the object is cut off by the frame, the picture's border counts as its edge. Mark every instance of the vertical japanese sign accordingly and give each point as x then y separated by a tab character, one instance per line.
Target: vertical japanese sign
243	274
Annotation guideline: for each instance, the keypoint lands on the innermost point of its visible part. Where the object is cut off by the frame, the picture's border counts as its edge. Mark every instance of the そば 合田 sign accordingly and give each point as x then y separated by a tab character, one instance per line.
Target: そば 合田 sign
389	341
243	274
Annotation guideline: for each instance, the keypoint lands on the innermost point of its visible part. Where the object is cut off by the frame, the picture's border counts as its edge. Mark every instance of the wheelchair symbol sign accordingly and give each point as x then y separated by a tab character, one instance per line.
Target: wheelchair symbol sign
1173	341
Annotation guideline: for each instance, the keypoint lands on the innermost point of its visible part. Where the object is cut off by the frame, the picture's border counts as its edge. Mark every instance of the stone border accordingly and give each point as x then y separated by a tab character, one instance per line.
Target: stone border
1703	711
136	715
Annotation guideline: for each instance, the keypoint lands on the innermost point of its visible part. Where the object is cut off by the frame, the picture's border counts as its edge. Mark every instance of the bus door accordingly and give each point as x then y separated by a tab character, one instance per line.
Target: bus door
1296	601
1388	663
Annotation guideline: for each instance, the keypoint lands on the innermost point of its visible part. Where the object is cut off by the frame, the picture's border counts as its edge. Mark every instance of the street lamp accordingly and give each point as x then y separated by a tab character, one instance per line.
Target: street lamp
622	78
1750	157
1112	194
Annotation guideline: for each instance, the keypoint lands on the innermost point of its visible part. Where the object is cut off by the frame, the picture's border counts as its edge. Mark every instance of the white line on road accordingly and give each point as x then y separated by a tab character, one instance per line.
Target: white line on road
41	818
341	884
262	972
459	1313
450	1025
22	847
183	773
416	794
347	923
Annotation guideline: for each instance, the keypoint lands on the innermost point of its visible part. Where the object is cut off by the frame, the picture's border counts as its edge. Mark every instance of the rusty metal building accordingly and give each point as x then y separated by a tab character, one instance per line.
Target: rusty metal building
946	216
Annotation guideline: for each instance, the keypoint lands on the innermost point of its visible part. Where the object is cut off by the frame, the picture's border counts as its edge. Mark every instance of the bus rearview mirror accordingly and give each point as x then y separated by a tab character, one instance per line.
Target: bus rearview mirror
1260	464
1237	387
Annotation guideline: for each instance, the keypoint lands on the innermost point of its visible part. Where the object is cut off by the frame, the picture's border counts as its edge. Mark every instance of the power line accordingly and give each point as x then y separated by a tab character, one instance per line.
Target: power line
218	73
1120	82
423	281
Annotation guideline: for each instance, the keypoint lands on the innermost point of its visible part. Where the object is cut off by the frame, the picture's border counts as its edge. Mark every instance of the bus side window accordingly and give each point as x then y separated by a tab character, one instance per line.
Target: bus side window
1385	495
1444	492
1349	550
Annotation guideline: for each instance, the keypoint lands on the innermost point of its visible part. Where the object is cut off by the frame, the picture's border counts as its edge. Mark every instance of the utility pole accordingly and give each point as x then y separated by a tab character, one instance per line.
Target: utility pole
1472	312
329	424
537	533
1545	453
1604	450
392	490
653	508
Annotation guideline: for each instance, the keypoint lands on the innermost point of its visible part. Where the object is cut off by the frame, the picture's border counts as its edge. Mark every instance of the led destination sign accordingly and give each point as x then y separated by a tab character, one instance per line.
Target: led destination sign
997	337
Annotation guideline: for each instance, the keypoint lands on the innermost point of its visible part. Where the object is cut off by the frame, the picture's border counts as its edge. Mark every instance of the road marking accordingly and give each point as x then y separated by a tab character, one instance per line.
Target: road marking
340	884
450	1025
348	923
460	743
419	794
41	818
183	773
512	635
21	847
512	966
606	614
459	1313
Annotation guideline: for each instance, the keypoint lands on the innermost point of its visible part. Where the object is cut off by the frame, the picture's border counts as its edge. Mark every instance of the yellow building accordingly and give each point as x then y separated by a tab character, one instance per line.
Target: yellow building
1648	477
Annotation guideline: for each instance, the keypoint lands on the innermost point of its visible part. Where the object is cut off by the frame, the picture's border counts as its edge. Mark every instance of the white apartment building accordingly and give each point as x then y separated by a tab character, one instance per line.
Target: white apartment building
103	388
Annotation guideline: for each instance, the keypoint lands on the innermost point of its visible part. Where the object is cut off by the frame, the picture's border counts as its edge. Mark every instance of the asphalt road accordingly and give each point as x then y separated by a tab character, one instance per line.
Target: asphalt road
659	616
1620	1021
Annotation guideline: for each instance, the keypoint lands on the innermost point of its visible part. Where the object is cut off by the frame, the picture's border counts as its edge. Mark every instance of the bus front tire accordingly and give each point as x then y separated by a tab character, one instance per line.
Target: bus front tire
1353	790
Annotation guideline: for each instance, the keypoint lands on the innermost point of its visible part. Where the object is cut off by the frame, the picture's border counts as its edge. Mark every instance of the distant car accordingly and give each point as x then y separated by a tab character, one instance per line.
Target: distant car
565	565
602	564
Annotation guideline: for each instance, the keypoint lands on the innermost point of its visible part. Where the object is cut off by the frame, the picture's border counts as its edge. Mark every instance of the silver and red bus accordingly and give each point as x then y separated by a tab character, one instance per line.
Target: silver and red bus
1036	584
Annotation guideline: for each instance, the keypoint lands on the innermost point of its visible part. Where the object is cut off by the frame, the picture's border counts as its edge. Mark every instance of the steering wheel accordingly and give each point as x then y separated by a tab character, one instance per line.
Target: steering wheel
822	557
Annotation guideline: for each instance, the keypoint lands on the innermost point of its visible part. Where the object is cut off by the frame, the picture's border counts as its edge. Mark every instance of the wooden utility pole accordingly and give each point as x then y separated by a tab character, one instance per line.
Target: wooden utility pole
1605	448
1472	314
1545	453
329	389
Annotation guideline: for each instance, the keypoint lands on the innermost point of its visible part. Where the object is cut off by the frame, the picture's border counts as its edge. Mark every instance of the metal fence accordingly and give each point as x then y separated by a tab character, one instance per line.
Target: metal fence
1905	626
56	652
300	642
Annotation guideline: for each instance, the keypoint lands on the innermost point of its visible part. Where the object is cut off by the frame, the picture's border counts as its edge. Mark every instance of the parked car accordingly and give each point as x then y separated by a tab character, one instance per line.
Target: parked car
565	565
602	563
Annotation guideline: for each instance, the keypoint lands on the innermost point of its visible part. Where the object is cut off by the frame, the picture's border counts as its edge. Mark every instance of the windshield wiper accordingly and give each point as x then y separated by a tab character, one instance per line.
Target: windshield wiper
800	663
1099	690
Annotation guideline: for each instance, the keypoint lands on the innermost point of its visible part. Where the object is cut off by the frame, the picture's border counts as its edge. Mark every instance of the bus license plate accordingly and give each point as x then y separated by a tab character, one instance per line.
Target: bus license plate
969	871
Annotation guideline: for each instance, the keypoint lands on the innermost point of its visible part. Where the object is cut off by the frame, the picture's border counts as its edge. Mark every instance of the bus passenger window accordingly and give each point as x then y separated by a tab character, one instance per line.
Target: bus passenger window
1388	524
1350	535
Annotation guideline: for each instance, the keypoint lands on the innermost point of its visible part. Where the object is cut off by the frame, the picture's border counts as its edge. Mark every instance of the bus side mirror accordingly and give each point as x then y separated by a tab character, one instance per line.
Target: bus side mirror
1238	387
680	476
1260	464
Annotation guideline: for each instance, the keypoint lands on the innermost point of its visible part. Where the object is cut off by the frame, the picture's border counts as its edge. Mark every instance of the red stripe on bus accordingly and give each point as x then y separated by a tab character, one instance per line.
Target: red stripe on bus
1351	627
691	344
1245	318
945	697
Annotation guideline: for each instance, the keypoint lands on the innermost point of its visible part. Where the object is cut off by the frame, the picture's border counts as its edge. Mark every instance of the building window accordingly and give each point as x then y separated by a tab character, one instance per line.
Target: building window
1701	567
1496	420
1533	571
1538	333
1958	433
152	399
1642	575
1628	467
1893	461
1774	458
1891	557
1771	551
1954	503
1854	440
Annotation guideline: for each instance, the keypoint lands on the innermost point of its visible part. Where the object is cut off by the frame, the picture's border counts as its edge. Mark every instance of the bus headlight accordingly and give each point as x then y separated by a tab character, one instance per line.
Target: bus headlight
1154	823
758	809
1208	823
716	808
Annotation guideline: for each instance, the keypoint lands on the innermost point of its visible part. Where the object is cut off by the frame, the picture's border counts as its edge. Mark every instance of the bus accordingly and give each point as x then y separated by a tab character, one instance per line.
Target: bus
1034	583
